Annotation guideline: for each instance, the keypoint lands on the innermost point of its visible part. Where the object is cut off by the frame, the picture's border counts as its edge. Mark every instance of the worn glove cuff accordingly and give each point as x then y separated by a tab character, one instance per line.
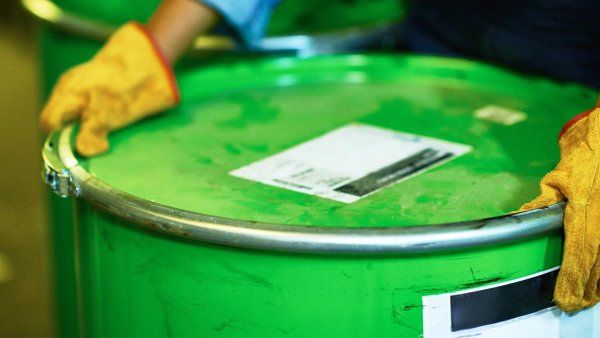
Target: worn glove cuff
166	66
574	120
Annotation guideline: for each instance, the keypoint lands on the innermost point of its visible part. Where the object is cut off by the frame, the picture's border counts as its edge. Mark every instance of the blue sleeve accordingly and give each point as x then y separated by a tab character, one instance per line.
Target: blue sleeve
247	18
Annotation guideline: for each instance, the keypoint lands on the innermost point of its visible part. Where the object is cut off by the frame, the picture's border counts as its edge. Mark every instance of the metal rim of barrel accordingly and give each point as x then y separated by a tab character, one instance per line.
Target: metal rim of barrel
59	158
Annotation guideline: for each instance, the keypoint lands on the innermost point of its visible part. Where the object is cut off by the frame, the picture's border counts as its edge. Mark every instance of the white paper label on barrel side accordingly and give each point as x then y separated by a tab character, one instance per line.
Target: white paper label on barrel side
351	162
520	308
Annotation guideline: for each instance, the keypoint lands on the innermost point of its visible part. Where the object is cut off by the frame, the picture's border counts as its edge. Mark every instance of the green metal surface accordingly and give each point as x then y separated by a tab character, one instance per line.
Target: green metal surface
111	11
142	284
289	17
314	16
230	118
59	52
138	283
62	51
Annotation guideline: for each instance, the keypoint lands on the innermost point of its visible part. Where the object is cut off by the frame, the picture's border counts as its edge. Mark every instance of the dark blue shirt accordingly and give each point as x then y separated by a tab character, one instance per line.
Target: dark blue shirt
560	38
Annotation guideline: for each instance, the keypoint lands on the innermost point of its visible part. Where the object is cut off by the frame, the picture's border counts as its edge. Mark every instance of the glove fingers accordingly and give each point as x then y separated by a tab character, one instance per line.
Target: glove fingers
549	194
60	109
92	138
579	258
569	289
592	289
592	237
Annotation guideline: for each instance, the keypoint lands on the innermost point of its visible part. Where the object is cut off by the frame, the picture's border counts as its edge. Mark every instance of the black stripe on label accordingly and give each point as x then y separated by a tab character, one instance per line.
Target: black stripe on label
392	173
494	305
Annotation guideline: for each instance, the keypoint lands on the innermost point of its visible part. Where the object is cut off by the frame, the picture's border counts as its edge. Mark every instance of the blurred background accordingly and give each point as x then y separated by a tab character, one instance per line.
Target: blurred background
25	280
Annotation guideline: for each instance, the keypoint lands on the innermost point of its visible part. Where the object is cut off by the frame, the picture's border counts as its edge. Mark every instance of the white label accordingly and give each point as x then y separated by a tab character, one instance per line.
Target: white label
500	115
513	309
351	162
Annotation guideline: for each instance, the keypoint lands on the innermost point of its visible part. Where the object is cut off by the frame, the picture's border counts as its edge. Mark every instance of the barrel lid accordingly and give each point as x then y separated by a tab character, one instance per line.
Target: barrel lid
237	113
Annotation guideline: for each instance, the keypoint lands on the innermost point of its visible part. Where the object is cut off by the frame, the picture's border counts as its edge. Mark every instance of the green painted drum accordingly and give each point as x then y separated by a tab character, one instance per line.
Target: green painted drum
61	50
289	17
173	240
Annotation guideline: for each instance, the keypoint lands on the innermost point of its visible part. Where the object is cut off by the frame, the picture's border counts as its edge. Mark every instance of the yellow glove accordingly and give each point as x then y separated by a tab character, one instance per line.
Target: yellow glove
576	180
126	81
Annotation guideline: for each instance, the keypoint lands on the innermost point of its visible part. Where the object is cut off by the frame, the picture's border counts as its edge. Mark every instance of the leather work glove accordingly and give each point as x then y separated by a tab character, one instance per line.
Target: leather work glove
576	180
127	80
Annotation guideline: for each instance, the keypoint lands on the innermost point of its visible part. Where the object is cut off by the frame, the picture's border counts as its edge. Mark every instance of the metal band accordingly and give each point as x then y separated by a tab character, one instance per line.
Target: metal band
344	40
338	240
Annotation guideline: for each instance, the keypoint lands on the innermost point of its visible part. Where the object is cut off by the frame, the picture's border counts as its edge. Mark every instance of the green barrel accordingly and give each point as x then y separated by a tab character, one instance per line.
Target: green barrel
67	42
59	52
175	237
289	17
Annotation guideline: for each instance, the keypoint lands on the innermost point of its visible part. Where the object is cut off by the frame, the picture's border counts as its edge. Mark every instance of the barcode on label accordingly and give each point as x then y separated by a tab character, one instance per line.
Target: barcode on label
351	162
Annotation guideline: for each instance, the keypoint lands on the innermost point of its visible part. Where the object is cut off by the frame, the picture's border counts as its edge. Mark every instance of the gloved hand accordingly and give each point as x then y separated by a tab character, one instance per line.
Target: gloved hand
576	179
126	81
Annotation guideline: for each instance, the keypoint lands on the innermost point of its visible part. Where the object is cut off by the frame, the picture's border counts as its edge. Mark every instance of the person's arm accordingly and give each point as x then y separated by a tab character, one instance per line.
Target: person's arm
130	78
177	22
